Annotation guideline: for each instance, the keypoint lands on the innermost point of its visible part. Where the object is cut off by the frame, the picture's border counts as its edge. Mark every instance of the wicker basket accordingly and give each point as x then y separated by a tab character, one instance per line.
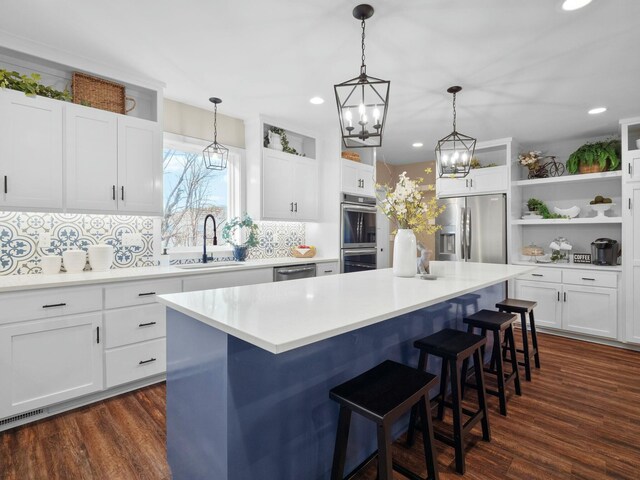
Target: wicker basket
99	93
311	252
353	156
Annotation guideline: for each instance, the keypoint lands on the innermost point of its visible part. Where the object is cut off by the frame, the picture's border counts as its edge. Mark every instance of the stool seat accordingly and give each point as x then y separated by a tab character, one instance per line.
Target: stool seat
450	344
491	320
376	393
516	306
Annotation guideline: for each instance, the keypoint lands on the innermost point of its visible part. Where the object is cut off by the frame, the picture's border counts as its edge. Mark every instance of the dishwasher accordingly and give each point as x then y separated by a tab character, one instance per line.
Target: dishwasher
281	274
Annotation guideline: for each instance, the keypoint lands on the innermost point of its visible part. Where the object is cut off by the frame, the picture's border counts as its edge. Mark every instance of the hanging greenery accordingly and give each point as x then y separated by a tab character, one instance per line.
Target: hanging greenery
31	86
284	141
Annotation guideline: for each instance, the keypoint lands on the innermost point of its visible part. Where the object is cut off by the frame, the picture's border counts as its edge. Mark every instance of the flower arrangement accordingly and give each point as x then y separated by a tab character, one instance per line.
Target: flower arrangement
229	235
530	159
406	205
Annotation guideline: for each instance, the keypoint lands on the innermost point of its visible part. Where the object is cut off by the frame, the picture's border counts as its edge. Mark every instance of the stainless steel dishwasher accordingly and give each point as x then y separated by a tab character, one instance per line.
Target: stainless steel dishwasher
281	274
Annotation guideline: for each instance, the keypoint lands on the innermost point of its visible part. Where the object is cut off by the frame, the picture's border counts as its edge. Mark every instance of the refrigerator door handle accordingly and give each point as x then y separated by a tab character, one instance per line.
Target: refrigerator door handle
469	227
462	232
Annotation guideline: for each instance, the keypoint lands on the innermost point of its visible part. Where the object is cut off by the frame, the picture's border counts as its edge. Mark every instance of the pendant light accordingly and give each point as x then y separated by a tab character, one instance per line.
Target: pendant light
455	151
215	155
362	101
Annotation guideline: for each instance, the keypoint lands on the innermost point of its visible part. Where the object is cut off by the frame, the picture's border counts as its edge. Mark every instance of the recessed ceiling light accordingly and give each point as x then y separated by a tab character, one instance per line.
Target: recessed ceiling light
317	100
595	111
417	145
570	5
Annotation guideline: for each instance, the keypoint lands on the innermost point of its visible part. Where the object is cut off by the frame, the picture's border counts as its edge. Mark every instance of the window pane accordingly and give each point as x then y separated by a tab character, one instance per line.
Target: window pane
191	191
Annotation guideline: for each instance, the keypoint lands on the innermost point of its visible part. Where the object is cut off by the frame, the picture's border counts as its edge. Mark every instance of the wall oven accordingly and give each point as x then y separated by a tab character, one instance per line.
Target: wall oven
358	259
358	249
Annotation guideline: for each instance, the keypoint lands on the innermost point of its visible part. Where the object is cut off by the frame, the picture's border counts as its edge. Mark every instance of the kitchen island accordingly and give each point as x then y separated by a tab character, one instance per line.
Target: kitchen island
249	368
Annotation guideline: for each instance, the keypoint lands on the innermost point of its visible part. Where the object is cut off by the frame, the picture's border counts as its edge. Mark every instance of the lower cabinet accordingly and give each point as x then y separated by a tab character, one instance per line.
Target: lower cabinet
568	304
228	279
134	362
49	361
329	268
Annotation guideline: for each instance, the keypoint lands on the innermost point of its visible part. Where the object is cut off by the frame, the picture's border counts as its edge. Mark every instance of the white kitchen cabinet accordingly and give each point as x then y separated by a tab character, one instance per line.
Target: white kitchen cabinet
479	181
290	186
631	166
91	151
328	268
48	361
228	279
358	178
452	187
590	310
30	152
134	362
548	312
631	259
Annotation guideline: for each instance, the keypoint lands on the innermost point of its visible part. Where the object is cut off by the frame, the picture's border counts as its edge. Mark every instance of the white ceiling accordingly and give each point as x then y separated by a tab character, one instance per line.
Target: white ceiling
529	70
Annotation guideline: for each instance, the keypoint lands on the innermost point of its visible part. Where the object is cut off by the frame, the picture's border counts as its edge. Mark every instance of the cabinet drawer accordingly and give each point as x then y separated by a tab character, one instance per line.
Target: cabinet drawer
543	275
591	278
228	279
49	303
139	293
125	326
133	362
330	268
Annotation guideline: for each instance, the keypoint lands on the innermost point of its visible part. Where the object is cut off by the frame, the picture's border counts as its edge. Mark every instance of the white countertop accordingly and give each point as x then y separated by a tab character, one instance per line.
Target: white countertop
282	316
12	283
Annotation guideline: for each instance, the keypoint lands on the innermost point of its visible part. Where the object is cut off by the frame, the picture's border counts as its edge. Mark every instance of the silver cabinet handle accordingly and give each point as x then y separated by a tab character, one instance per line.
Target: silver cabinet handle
469	234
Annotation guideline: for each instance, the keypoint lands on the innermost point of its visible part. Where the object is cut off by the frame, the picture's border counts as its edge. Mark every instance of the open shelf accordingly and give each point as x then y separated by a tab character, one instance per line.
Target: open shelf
568	221
585	177
576	266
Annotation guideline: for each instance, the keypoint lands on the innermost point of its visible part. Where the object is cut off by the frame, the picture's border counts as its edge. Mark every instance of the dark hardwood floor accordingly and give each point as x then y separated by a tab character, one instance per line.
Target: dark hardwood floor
578	419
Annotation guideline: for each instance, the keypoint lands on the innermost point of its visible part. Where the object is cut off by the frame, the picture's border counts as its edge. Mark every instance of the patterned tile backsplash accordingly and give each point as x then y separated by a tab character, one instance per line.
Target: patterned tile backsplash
20	233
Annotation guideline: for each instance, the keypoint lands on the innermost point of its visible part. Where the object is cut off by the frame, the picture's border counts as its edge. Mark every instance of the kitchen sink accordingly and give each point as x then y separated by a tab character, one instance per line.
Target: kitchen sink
207	266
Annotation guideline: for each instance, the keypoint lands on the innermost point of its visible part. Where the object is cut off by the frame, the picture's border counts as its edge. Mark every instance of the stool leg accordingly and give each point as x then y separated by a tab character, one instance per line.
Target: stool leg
342	438
422	366
427	440
514	361
482	400
534	338
456	401
463	376
502	394
525	347
443	389
385	462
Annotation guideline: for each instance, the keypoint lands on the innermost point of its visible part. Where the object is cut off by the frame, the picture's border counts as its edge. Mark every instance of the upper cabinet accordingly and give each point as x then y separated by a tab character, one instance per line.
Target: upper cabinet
30	152
358	178
281	185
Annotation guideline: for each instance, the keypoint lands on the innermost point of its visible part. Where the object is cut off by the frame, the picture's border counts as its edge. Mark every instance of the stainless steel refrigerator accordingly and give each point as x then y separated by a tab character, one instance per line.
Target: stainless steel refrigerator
474	229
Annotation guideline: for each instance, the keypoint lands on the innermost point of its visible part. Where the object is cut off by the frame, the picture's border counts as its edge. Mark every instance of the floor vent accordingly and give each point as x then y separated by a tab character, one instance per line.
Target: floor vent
22	416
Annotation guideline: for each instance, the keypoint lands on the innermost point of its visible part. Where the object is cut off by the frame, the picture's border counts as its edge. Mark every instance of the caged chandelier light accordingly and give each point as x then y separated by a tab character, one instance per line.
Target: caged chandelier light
362	101
455	151
215	155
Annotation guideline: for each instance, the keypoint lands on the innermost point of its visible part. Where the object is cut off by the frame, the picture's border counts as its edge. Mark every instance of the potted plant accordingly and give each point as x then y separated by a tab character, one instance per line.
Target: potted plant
595	157
240	227
31	86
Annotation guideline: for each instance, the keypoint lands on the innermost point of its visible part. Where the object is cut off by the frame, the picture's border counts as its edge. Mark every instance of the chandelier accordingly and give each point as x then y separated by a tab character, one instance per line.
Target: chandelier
215	155
455	151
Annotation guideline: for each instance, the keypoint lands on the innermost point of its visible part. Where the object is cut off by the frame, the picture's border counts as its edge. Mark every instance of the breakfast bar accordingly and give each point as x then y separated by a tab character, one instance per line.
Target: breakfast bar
249	368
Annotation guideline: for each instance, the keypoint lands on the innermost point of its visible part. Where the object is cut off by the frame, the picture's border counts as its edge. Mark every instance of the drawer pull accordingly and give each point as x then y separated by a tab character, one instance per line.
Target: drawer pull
537	275
53	305
587	278
142	362
97	334
146	294
328	271
558	296
146	324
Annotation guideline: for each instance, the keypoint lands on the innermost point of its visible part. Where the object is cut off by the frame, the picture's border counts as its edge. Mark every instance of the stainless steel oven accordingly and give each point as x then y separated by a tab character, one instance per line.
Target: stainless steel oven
358	259
358	222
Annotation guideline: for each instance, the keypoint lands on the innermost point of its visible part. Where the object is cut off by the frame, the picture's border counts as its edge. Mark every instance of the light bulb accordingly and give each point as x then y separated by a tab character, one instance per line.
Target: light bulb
348	117
445	159
376	114
465	157
364	118
361	109
455	156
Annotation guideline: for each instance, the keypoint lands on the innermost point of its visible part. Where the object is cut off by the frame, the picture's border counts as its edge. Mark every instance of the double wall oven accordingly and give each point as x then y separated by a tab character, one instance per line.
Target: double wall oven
358	250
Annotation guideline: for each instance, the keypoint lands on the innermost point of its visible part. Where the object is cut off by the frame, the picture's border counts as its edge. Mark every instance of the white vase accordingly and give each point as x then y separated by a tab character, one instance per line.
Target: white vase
275	141
404	253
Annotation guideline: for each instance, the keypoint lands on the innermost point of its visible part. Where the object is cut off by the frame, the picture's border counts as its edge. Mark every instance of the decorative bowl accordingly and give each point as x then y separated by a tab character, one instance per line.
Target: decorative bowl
572	212
50	264
600	208
100	257
74	260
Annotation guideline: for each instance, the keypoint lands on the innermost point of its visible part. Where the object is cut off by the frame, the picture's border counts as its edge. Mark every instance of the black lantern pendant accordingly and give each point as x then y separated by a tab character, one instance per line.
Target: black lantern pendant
362	101
455	151
215	155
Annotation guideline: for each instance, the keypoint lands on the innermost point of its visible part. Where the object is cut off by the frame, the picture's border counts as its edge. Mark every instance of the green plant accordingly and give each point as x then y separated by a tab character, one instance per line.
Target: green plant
31	86
229	231
536	205
284	141
605	153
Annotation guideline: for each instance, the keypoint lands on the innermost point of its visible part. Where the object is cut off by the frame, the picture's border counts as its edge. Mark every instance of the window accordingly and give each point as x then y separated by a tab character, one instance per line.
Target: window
191	191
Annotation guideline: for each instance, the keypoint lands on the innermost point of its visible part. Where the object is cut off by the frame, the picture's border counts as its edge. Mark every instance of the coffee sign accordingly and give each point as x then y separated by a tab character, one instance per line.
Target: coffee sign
581	258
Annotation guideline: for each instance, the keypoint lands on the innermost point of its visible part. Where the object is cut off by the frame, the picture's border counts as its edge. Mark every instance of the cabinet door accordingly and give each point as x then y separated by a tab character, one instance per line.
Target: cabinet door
277	184
486	180
329	268
631	259
92	159
350	177
139	166
447	187
547	295
30	152
49	361
590	310
631	167
367	180
305	189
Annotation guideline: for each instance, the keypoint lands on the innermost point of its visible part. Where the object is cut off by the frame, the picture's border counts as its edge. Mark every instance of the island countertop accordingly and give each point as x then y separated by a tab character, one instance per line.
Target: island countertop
282	316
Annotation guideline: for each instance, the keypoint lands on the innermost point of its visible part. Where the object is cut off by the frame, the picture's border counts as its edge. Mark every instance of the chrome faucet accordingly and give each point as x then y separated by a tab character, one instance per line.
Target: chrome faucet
205	259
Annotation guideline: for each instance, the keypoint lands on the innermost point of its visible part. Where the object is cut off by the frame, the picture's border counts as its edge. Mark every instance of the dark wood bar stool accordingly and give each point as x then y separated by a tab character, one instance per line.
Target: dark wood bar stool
382	395
454	347
501	324
522	307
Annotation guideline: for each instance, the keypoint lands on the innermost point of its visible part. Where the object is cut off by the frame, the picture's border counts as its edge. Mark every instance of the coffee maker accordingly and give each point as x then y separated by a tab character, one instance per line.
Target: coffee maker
604	251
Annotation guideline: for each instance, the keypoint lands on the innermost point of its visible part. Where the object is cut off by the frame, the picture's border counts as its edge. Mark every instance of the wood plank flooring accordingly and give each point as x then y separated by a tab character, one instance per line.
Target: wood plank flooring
578	419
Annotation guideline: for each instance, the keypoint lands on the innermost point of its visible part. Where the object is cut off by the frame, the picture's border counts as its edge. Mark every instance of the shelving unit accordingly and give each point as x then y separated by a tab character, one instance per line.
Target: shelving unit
569	221
588	177
573	266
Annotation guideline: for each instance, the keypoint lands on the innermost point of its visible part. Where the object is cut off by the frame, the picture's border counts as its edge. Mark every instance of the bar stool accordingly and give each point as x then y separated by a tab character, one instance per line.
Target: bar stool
382	395
501	324
465	301
522	307
454	347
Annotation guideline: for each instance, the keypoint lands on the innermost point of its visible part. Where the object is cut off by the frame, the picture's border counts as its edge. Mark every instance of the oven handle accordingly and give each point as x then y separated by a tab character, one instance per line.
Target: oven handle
362	265
361	251
289	271
358	208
